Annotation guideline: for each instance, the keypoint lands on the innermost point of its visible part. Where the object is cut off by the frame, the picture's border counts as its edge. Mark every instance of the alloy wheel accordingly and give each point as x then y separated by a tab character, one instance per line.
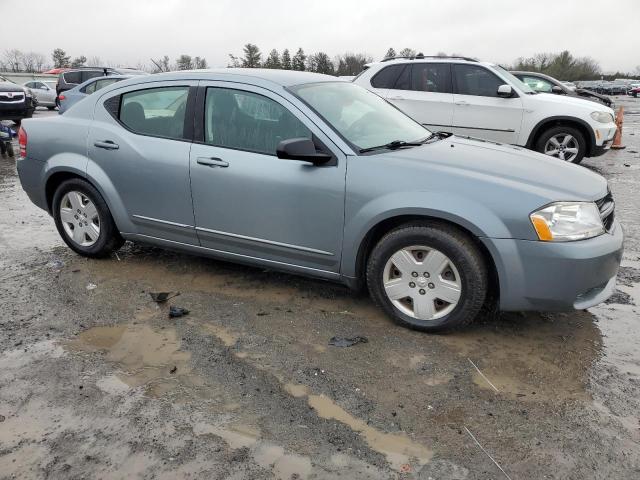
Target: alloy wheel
422	282
80	218
563	146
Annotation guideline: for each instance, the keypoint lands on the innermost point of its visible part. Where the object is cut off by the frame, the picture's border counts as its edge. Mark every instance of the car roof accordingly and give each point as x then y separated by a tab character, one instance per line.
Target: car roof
427	59
283	78
95	79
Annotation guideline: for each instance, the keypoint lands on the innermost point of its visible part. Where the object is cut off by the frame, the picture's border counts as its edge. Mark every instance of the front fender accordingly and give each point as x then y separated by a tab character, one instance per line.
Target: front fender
455	208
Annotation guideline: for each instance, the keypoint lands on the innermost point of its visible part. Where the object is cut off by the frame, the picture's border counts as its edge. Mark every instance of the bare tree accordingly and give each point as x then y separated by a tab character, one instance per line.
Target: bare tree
161	64
94	61
351	63
13	59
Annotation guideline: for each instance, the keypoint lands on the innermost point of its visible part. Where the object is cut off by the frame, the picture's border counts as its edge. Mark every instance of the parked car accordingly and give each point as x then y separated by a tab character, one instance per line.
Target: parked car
44	91
635	91
16	101
77	93
480	99
542	83
75	76
569	85
314	175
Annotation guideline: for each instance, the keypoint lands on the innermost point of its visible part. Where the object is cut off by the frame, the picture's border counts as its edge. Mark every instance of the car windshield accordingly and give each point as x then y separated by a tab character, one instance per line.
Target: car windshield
361	117
515	80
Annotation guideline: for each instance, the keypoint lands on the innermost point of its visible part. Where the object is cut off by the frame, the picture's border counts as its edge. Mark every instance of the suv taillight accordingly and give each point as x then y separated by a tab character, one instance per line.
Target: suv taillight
22	140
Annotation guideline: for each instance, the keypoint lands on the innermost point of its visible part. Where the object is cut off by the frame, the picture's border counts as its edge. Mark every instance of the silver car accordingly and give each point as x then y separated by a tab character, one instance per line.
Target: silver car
317	176
72	96
44	91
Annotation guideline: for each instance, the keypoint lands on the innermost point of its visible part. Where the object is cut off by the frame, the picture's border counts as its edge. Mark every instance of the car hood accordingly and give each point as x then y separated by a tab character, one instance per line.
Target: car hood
11	87
567	100
522	170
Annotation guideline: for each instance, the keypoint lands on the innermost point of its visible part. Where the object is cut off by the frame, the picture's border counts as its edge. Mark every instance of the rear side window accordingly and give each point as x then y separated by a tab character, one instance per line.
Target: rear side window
90	88
404	80
72	77
248	121
87	74
476	80
157	112
386	78
431	77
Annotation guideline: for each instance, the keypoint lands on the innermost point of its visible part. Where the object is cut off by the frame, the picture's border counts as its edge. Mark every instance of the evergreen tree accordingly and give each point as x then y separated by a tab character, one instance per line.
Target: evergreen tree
390	53
320	63
407	52
286	59
184	62
60	58
252	56
299	60
79	61
200	63
273	60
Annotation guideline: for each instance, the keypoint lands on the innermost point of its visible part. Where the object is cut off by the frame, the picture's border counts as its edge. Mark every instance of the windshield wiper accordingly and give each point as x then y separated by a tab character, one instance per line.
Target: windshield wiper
393	145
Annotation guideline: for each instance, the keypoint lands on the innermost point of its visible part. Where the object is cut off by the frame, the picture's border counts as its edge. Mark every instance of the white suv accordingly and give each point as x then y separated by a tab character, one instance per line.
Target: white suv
483	100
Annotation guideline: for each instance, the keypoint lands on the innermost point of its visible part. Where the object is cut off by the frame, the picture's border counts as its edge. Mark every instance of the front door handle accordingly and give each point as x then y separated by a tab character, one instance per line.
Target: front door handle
395	97
106	144
212	162
463	104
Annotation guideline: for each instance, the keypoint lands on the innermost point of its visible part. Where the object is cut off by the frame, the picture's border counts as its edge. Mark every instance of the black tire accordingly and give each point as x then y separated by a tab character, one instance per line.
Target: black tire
462	252
51	108
559	130
10	151
109	238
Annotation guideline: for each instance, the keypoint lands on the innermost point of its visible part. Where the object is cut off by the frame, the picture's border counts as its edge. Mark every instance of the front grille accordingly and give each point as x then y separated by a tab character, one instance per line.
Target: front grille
13	97
607	206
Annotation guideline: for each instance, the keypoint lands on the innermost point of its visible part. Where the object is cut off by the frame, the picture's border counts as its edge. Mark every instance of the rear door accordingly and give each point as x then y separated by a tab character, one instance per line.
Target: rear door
479	111
139	145
248	202
423	91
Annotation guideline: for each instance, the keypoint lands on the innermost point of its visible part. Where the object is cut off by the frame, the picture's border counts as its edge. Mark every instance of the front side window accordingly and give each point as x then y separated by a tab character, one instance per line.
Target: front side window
431	77
158	112
476	80
361	117
248	121
537	84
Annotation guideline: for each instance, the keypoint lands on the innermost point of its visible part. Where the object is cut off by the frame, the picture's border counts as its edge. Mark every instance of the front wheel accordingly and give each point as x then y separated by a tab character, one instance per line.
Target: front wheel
51	108
565	143
83	219
428	277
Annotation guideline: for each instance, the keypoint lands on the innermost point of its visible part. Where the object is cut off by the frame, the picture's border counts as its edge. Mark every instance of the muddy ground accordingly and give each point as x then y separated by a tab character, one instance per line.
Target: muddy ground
96	381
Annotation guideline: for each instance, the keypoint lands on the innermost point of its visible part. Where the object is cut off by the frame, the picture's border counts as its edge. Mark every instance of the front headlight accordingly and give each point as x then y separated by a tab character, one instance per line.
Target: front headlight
27	93
602	117
567	221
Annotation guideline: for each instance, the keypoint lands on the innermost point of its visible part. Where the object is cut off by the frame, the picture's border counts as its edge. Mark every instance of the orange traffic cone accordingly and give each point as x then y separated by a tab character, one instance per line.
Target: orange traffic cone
617	139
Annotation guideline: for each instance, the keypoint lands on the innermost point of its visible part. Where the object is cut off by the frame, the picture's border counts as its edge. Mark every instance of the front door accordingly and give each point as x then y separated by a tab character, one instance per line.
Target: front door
247	201
479	111
139	146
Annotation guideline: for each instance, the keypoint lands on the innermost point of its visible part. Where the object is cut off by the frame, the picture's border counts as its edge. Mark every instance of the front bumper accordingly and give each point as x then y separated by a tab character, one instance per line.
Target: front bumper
548	276
16	110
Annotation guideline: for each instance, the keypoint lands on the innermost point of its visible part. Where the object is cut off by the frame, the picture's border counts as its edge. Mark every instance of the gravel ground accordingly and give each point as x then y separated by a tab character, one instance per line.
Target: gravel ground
96	381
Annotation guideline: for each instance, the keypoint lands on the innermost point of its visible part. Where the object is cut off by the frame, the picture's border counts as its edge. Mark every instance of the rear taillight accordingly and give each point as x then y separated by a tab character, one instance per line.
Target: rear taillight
22	140
61	97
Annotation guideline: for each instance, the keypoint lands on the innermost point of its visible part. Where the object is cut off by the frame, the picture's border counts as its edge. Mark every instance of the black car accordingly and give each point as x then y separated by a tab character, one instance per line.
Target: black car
75	76
546	84
16	102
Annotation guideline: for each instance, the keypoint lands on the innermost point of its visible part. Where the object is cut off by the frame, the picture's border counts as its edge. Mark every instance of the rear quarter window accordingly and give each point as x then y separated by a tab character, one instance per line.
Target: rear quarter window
73	78
386	78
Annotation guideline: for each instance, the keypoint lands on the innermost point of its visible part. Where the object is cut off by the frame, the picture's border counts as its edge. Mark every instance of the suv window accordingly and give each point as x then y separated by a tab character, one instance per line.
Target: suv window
158	112
538	84
248	121
87	74
431	77
72	77
404	80
386	78
476	80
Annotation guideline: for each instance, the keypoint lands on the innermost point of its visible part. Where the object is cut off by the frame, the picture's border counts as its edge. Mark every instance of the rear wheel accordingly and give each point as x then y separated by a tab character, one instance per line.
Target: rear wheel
429	277
83	219
563	142
51	108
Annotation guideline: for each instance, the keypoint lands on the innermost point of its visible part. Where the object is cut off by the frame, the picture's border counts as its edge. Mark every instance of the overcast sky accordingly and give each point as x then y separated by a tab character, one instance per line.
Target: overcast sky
132	31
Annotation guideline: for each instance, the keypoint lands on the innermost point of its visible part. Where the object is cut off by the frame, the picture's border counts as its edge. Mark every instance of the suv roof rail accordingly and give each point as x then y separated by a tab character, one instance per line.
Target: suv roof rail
420	56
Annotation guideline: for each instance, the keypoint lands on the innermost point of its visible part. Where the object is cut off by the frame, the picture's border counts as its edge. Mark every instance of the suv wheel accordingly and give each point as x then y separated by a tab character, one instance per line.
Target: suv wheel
83	219
565	143
428	277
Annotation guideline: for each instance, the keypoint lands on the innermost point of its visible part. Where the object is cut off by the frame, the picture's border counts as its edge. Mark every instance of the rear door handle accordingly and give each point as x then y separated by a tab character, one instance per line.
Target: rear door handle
463	104
106	144
212	162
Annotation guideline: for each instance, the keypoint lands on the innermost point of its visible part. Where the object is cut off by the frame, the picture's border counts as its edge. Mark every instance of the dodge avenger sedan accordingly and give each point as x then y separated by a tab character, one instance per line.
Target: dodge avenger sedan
314	175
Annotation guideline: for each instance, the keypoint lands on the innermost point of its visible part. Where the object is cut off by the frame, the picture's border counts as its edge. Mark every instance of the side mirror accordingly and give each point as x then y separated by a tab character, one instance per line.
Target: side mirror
301	149
557	90
505	91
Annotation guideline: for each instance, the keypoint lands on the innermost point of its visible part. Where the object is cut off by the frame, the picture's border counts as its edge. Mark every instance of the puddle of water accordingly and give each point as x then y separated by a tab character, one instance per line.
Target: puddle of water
283	465
398	448
223	334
